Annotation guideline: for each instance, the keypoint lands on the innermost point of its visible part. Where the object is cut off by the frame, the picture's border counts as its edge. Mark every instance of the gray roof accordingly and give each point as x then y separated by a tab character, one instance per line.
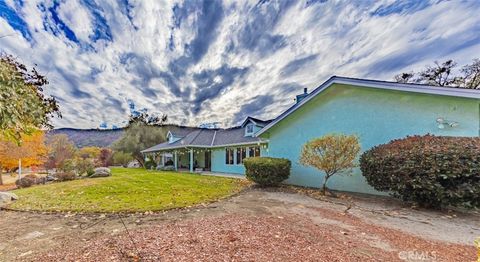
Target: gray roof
182	131
233	136
202	137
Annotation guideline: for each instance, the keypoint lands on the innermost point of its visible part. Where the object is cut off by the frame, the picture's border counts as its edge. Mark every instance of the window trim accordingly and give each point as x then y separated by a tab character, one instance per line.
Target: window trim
229	156
249	126
254	149
241	153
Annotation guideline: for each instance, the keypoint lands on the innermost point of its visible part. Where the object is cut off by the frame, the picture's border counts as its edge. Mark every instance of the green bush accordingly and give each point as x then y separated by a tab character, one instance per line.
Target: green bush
150	164
433	171
90	172
83	166
27	181
121	158
267	171
64	176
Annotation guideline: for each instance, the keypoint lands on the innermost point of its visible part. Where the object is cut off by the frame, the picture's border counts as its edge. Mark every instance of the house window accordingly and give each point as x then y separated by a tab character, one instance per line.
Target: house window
241	154
229	156
254	151
249	130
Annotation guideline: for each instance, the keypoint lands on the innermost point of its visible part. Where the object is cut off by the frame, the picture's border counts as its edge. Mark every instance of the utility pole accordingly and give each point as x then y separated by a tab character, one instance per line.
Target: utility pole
19	168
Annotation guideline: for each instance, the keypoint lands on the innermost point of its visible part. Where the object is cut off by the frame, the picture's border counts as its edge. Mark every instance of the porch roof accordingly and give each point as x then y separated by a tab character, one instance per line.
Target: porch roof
209	138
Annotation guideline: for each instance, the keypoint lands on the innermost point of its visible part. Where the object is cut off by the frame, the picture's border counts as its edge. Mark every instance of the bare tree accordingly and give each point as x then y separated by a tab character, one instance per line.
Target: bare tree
442	74
471	75
439	74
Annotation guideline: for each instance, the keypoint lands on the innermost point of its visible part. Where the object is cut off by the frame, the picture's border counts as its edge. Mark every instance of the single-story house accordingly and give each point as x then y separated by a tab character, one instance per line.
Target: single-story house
376	111
215	150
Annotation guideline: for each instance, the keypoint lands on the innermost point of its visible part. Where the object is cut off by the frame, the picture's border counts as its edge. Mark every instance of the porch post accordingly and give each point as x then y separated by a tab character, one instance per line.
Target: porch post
163	159
175	162
191	160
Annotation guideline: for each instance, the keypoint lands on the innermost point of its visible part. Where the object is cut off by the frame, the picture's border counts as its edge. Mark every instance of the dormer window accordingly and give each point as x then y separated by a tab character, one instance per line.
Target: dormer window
170	138
249	130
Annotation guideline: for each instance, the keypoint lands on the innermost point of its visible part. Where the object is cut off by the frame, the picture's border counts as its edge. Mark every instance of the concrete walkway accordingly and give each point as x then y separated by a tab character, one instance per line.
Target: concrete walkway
238	176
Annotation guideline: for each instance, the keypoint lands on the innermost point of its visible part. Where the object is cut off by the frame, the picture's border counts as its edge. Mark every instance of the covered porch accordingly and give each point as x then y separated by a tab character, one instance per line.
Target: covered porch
188	159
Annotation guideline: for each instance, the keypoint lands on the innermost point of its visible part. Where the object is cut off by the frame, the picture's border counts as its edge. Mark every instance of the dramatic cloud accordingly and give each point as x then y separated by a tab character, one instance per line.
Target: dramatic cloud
220	61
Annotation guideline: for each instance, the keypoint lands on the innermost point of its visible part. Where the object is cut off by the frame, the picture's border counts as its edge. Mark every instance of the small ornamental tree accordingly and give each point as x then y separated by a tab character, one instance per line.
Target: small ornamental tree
143	131
60	150
105	159
332	154
122	158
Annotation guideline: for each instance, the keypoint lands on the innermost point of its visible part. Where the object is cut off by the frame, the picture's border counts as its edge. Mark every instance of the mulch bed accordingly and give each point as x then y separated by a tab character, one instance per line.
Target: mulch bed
8	187
259	238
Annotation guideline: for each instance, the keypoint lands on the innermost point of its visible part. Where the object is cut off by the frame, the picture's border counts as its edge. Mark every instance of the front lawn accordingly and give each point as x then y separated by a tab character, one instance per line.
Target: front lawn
127	190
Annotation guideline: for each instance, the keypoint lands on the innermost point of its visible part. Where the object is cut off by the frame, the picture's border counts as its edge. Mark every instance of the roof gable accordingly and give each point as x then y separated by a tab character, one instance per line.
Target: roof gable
255	121
415	88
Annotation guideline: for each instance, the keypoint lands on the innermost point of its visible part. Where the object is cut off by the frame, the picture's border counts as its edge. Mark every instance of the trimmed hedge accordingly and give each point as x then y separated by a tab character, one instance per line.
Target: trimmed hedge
433	171
267	171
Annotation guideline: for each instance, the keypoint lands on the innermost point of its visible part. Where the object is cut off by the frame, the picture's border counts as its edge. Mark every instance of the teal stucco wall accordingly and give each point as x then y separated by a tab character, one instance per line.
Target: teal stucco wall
218	161
375	115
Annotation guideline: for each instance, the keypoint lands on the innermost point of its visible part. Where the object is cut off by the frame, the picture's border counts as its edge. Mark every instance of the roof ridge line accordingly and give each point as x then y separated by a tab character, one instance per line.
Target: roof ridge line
213	139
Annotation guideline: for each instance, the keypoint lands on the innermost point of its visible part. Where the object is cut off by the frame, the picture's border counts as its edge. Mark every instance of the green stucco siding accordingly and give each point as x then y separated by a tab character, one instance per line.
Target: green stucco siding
376	116
219	165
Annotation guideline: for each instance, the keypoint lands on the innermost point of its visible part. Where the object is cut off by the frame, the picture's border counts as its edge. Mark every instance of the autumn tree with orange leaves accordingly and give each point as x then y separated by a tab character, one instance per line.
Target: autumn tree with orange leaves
32	151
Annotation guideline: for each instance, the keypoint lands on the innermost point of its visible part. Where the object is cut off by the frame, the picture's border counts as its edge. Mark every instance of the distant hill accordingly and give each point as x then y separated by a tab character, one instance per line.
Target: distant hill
89	137
100	137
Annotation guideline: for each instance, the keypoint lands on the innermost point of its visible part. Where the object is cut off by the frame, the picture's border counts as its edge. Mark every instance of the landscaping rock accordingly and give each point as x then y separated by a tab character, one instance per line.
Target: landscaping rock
102	172
166	168
50	178
6	197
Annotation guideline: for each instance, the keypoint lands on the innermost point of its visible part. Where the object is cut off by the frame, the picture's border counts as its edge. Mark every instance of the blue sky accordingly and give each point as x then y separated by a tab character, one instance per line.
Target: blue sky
219	61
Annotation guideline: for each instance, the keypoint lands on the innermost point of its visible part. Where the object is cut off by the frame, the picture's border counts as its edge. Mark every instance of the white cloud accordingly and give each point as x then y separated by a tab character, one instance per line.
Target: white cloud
76	17
145	47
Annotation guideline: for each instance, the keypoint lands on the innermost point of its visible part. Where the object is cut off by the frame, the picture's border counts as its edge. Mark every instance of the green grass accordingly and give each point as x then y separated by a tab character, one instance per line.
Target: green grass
127	190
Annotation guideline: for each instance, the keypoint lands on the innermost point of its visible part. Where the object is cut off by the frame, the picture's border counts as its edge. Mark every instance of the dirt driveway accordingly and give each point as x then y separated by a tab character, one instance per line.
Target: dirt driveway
254	225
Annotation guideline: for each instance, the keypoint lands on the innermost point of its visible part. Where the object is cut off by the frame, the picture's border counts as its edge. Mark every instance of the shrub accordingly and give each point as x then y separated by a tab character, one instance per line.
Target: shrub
64	176
68	166
27	181
105	158
90	172
83	166
122	158
332	154
169	163
432	171
267	171
150	164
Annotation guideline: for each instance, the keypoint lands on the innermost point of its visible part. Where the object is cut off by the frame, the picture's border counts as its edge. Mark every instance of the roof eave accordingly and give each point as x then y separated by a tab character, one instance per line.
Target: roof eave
424	89
206	146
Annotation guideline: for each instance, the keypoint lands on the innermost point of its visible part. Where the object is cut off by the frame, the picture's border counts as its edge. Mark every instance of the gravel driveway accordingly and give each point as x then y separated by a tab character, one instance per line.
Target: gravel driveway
252	226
